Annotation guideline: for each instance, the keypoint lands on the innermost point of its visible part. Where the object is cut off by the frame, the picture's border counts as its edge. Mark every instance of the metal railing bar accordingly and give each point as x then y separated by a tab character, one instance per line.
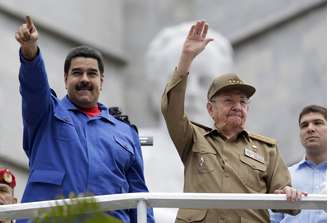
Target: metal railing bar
175	200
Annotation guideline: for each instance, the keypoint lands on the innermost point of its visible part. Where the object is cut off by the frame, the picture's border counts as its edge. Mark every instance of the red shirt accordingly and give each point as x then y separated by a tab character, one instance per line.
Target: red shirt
91	112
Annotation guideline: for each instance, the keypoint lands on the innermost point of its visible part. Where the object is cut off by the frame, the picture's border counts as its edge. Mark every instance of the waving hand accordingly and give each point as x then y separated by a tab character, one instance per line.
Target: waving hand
194	44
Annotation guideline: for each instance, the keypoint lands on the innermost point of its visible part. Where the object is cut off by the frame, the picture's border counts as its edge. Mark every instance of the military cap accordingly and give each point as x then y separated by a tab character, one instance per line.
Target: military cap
229	81
7	177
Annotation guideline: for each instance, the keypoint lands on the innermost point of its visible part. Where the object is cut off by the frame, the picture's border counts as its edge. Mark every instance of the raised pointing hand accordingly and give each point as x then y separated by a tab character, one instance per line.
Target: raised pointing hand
27	36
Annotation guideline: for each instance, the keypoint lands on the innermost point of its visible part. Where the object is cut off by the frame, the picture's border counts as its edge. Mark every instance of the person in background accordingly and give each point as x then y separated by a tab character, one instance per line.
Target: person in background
309	174
7	186
74	145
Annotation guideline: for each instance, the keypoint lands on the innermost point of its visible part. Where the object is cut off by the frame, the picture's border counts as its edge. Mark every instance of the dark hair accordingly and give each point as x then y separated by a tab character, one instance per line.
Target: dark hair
84	51
314	109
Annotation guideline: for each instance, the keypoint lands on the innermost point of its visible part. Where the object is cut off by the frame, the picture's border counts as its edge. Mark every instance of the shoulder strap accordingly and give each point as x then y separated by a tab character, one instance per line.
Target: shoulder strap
206	128
264	139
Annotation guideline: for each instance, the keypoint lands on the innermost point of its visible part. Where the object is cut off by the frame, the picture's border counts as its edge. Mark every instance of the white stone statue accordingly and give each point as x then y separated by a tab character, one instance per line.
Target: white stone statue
163	167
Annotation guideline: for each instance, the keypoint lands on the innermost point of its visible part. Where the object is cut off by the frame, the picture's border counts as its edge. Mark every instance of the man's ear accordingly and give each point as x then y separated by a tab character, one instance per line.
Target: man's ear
101	81
65	79
209	107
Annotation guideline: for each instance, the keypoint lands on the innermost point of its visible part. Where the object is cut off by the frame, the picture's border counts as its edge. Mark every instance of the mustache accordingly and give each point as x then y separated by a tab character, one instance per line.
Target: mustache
83	86
235	114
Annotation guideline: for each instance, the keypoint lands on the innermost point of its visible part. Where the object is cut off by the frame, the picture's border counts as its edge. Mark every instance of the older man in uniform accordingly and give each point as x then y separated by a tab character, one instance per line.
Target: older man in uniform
7	185
226	158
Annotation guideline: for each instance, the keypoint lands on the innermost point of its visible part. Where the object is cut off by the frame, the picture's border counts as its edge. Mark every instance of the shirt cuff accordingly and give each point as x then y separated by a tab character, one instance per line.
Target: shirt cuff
28	61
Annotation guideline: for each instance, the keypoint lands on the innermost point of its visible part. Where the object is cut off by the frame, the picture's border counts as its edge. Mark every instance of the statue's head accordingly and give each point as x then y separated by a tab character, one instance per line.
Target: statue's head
163	55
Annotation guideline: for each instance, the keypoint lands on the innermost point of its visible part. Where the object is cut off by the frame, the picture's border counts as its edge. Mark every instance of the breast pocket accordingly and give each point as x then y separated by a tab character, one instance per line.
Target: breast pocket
123	150
205	162
63	129
252	173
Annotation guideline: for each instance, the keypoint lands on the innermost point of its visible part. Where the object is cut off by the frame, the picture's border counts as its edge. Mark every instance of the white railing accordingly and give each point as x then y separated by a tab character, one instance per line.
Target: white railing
173	200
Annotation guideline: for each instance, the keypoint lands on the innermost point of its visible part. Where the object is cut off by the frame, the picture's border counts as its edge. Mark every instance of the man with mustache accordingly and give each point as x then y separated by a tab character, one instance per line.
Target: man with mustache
225	158
7	185
310	173
74	145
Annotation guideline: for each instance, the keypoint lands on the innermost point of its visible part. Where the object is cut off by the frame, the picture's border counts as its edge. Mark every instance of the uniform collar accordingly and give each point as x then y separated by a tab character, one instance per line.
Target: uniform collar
214	132
210	131
104	113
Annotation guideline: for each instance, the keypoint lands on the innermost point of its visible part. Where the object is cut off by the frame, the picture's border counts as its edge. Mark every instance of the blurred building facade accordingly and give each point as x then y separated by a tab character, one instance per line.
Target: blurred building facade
279	46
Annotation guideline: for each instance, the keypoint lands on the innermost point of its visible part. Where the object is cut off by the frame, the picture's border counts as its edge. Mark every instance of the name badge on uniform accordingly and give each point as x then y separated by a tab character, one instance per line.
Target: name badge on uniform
253	155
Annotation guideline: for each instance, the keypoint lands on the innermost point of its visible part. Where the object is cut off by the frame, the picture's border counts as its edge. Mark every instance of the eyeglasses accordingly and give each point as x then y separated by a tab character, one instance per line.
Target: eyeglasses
229	101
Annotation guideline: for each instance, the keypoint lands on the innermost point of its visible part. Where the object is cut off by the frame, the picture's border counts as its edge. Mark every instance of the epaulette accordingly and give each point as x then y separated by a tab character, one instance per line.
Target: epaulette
264	139
116	112
206	128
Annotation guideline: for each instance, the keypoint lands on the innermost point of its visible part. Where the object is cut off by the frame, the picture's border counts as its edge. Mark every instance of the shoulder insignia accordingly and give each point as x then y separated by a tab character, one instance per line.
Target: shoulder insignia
264	139
206	128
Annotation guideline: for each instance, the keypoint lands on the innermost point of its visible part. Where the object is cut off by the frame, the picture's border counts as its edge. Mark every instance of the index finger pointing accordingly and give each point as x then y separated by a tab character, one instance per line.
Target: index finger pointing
29	22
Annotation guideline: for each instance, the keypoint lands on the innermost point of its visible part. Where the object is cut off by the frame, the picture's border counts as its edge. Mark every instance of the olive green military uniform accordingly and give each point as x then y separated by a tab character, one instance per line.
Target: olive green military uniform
248	164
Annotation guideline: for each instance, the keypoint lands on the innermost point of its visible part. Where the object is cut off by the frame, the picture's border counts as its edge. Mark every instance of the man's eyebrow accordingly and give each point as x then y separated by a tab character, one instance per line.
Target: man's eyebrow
76	68
318	120
303	123
312	120
88	69
92	69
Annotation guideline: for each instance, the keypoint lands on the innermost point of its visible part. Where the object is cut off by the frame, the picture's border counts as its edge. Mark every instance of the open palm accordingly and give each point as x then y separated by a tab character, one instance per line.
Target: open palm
196	40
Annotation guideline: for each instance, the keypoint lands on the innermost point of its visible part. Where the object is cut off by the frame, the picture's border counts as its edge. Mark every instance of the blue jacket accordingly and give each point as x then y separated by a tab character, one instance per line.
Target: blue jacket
70	152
